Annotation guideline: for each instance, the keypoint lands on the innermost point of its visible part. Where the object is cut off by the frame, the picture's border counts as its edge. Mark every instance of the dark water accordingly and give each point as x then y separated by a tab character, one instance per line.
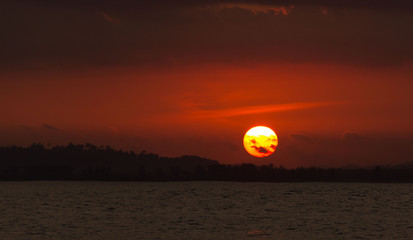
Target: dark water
205	210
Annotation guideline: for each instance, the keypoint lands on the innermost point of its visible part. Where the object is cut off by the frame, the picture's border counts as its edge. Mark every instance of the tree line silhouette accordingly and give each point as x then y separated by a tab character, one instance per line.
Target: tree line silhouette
89	162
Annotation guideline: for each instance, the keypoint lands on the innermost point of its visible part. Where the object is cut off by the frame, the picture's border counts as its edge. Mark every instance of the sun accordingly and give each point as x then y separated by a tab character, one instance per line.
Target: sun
260	141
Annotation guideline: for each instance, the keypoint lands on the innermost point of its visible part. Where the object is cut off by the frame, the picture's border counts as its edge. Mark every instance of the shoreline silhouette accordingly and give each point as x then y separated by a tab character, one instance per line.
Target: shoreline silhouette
87	162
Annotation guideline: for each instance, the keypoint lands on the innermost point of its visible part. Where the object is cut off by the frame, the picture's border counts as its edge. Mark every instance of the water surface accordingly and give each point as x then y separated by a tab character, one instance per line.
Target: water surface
205	210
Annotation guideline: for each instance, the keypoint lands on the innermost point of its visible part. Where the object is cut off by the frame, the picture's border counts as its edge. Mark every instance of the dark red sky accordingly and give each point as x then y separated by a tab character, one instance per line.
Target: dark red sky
334	78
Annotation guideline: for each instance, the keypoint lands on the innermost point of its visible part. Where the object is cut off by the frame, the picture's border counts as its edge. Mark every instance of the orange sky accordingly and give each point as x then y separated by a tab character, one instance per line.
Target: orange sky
334	81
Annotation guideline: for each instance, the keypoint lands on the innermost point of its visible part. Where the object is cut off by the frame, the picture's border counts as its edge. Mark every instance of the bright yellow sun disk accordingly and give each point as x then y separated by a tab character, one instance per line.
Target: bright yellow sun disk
260	141
260	130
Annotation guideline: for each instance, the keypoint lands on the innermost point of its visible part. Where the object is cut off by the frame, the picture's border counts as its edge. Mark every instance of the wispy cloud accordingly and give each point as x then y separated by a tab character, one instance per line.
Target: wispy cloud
324	10
50	127
109	18
284	10
260	8
232	112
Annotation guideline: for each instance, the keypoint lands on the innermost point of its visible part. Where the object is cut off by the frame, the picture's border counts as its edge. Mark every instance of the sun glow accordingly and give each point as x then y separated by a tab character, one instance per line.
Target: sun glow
260	141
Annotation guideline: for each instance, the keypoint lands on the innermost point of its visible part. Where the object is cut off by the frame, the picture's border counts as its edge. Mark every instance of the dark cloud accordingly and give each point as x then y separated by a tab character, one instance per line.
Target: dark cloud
27	127
49	127
299	137
353	137
350	149
261	149
136	33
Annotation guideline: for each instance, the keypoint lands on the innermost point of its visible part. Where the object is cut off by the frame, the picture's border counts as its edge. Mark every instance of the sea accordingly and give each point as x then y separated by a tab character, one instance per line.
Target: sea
205	210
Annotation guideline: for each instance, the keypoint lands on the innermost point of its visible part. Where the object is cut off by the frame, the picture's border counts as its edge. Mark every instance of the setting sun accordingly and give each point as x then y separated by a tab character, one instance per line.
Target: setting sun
260	141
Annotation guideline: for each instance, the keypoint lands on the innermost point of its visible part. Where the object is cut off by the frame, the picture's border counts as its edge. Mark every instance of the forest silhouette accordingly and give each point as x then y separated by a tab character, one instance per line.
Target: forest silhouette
87	162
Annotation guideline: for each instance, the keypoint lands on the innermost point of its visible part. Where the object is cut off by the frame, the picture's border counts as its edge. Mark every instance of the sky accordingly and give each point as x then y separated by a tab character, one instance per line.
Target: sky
332	78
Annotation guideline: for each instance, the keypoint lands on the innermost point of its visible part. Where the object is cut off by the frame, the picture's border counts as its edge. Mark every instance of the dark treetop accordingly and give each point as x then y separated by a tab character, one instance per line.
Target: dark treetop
89	162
